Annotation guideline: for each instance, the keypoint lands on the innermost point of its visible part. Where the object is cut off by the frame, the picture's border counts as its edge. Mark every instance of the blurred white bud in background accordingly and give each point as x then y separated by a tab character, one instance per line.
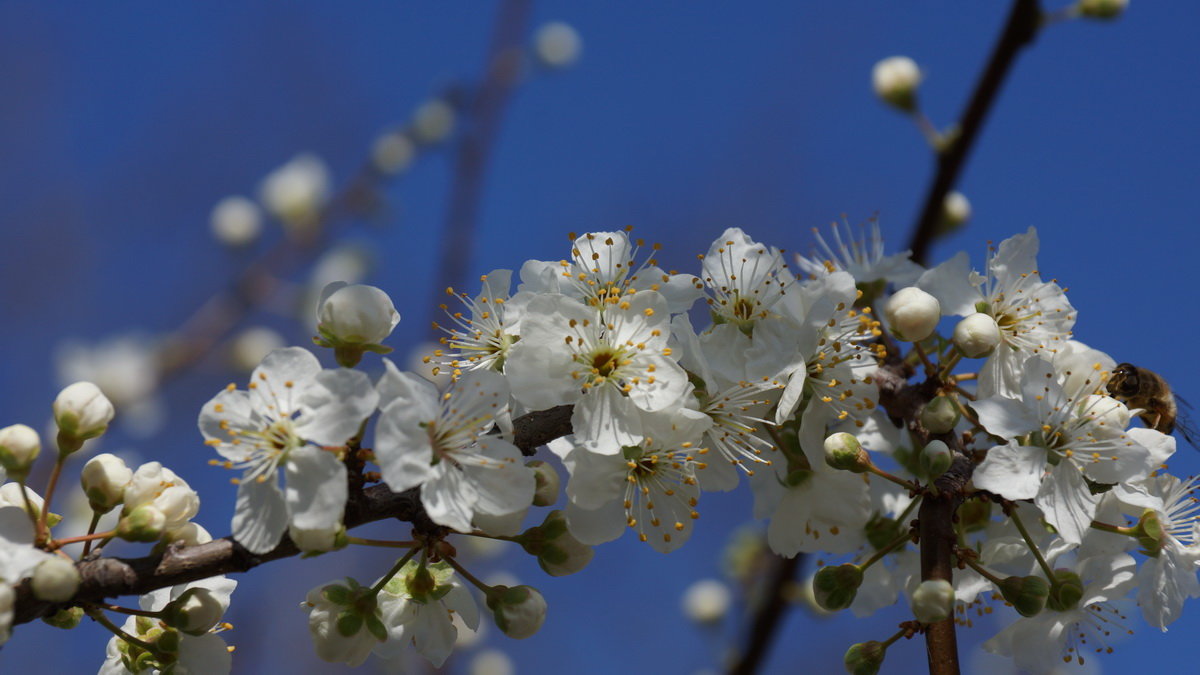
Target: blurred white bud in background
706	601
956	210
433	121
492	662
236	221
895	80
124	367
557	45
393	152
296	192
250	346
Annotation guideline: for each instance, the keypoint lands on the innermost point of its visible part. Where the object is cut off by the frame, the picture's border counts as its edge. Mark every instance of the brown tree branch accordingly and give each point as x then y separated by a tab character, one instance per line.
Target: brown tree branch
112	577
1022	27
773	604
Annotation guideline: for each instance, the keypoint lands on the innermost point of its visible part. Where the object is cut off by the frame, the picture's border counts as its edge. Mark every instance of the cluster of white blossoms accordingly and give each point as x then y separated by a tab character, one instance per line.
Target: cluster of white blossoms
797	381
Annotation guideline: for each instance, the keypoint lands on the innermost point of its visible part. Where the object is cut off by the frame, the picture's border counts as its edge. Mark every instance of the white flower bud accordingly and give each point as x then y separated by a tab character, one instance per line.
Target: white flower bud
104	479
936	458
1106	411
188	534
558	551
491	662
295	192
956	210
895	80
933	601
547	482
144	523
19	447
1102	9
706	601
940	415
317	540
55	579
355	314
433	121
154	484
236	221
519	611
195	612
844	452
393	152
252	345
81	411
557	45
912	314
977	335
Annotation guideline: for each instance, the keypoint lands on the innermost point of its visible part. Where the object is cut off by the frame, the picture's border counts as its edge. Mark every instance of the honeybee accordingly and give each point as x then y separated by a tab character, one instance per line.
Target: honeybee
1145	389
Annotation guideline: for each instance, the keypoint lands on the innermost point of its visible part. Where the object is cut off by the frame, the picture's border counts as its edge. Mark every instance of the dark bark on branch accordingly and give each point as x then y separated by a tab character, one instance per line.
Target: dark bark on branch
113	577
768	618
1022	27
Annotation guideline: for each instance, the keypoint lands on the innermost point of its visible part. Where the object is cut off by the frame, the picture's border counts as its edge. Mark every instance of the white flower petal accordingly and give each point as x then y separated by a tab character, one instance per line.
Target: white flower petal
335	406
260	516
1012	471
316	488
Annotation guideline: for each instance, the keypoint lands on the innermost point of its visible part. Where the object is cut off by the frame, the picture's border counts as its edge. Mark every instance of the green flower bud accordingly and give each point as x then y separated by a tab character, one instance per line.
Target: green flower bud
844	452
835	586
558	552
1027	595
936	458
864	658
19	447
975	514
1150	533
519	611
1102	9
195	612
145	523
940	415
65	619
1067	592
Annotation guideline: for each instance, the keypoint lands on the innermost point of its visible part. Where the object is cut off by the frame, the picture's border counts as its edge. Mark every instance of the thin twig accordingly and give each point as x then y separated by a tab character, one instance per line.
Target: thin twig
1023	23
767	619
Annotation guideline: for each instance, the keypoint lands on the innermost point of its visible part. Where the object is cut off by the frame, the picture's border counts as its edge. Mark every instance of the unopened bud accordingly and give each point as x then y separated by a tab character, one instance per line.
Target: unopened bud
956	211
519	611
940	415
844	452
188	534
912	314
895	81
104	479
936	458
55	579
835	586
706	601
557	45
393	152
161	487
1149	532
252	345
19	447
546	480
933	601
295	192
145	523
1102	9
236	221
433	122
314	541
81	411
865	658
194	612
558	552
1027	595
977	335
1066	592
354	319
65	619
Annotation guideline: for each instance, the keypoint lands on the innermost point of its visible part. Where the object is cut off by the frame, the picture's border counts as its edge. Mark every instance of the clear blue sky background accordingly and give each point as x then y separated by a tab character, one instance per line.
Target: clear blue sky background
123	123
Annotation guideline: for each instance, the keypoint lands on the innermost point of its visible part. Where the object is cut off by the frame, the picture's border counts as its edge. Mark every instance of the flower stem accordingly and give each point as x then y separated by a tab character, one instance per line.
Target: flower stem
98	617
981	570
32	512
1115	529
893	545
43	532
89	538
1012	513
467	575
895	479
87	545
132	611
393	572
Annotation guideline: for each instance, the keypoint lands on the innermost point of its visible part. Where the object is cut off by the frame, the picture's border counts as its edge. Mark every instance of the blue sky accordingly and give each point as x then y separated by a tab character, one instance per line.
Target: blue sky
124	123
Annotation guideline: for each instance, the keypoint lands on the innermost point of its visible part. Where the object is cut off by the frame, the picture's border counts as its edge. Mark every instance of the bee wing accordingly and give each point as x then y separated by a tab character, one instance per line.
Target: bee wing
1184	423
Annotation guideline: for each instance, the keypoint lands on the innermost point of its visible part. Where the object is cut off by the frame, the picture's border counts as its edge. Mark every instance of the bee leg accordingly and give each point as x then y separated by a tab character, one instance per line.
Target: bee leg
1157	417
